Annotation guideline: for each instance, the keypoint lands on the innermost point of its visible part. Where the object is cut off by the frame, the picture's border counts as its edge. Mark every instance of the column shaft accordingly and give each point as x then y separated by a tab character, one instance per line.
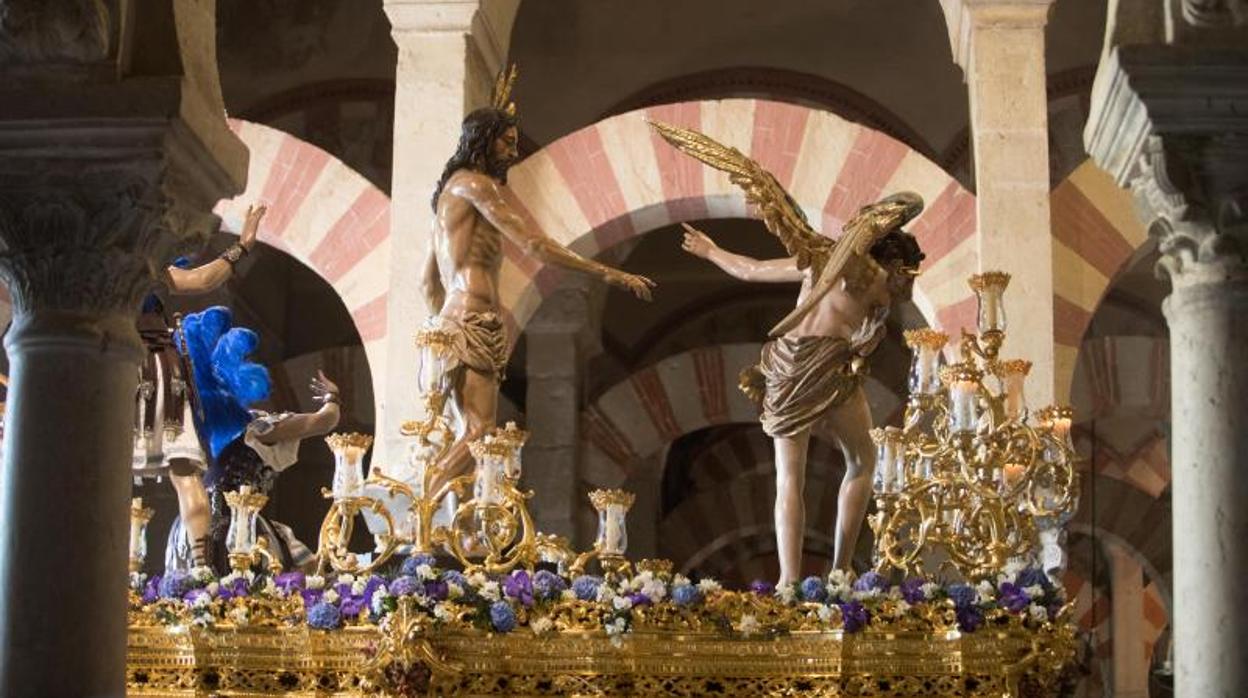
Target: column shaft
1127	616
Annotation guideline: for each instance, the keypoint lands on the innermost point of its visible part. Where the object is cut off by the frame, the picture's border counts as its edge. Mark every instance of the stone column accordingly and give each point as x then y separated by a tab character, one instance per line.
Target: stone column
1171	122
109	166
1000	46
449	53
1126	618
555	341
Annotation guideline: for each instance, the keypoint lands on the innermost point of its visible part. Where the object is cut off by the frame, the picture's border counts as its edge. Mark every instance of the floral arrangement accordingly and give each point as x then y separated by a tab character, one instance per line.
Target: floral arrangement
544	601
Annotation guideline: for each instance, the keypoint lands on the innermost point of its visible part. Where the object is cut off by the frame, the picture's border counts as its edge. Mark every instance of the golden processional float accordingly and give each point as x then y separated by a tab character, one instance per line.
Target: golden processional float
481	603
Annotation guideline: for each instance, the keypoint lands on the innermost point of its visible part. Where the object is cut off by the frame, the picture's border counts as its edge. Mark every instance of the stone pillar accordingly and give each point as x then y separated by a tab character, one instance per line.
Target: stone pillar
1000	46
1126	618
449	53
1171	122
555	341
110	162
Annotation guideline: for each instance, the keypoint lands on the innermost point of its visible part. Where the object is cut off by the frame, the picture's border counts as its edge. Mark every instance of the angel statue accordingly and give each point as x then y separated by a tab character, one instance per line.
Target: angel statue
472	216
810	374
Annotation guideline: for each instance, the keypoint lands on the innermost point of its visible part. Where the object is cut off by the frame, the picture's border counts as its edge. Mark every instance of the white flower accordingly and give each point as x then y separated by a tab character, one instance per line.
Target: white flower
541	625
251	576
314	581
748	625
986	593
622	603
477	579
1013	567
825	614
212	589
270	587
346	579
929	589
708	586
425	572
838	577
680	580
137	580
837	592
358	587
654	589
443	613
1034	591
567	595
202	574
379	600
201	601
605	593
616	627
454	590
238	615
785	593
490	592
229	578
902	606
1037	613
330	596
866	594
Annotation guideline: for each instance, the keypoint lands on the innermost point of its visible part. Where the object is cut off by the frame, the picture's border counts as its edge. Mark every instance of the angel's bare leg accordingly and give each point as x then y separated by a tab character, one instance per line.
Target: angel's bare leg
790	503
850	425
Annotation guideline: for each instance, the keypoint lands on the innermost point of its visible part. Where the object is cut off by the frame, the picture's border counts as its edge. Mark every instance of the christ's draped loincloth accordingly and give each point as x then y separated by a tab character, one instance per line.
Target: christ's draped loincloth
798	379
477	341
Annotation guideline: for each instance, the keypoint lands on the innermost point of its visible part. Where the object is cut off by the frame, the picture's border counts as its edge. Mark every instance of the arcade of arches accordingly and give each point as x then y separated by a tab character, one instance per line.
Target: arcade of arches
1077	144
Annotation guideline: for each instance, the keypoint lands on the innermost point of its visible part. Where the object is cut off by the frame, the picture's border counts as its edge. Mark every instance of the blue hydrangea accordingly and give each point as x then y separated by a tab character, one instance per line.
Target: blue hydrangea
869	581
1034	576
455	577
324	616
175	584
813	590
686	595
969	618
963	595
411	563
586	587
405	586
502	617
547	585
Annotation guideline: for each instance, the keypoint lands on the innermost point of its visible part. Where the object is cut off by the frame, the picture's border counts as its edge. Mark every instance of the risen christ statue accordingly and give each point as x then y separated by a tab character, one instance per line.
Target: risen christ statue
473	216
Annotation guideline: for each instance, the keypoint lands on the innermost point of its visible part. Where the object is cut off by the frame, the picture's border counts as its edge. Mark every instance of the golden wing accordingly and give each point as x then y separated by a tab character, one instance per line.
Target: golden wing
779	212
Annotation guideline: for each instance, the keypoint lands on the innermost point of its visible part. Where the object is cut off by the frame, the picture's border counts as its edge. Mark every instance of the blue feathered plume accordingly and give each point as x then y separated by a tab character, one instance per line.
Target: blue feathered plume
227	383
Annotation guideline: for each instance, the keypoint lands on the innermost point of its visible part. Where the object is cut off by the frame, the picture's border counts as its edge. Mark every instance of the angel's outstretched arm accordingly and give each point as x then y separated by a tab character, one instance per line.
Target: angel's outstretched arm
782	270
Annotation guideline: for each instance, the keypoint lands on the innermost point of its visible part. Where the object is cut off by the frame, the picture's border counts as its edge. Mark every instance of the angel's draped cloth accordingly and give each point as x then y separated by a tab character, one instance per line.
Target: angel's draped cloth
798	379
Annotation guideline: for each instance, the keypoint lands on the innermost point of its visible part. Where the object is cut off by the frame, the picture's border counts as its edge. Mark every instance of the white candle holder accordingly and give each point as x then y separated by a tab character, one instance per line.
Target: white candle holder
1013	376
926	344
349	450
241	542
963	382
890	459
990	288
512	438
139	518
612	507
491	455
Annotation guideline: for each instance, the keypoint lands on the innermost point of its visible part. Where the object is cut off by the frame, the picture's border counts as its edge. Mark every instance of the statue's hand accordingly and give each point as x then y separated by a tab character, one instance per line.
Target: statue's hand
324	390
696	242
251	225
637	285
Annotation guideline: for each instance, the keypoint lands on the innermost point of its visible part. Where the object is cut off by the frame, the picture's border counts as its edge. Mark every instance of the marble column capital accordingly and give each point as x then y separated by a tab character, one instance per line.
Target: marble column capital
424	17
966	17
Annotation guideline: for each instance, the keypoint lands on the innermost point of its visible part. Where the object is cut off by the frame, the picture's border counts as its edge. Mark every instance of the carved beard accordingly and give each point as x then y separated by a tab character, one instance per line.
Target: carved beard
497	167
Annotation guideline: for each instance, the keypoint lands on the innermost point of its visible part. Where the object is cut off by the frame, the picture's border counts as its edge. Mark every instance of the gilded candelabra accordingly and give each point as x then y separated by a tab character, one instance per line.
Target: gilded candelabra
243	547
481	518
965	478
139	518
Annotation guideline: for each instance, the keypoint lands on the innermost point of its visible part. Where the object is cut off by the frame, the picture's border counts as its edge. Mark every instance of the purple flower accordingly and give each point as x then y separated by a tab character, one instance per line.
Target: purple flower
194	595
290	582
175	584
762	588
311	597
963	595
235	589
1013	598
813	590
586	587
371	586
1034	576
404	586
639	599
324	616
870	580
519	586
686	595
455	577
969	618
436	589
547	585
351	606
411	563
854	616
502	617
151	592
912	590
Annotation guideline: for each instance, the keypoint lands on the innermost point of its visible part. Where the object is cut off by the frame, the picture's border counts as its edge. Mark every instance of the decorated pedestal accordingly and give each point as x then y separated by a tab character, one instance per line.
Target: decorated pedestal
464	596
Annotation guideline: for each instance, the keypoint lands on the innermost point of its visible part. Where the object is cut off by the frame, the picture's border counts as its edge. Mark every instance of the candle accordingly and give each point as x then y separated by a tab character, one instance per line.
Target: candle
926	345
964	407
884	446
491	455
613	540
989	288
349	452
1013	377
612	506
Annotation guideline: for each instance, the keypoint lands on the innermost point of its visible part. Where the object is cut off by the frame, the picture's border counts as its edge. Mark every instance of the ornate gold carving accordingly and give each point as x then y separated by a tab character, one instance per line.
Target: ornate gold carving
602	499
